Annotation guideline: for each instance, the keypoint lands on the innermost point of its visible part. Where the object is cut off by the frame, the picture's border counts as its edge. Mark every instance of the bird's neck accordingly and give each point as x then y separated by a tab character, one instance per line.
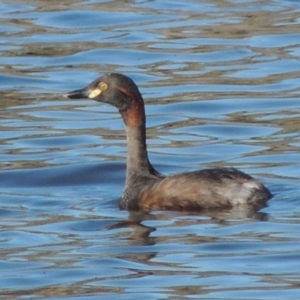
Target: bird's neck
138	163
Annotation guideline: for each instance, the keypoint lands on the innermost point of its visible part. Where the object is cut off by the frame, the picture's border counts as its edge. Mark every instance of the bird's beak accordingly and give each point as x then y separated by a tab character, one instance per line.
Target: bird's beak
83	93
78	94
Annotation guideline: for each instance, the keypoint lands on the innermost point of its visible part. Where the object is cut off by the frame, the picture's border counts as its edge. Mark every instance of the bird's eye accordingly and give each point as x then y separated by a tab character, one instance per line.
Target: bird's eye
103	86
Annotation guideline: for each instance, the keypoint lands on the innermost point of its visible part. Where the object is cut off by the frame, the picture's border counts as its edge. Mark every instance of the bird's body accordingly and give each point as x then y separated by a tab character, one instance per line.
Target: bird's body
145	188
194	191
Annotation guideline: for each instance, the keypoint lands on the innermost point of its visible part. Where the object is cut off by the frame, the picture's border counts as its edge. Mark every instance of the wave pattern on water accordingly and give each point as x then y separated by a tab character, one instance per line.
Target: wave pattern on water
221	86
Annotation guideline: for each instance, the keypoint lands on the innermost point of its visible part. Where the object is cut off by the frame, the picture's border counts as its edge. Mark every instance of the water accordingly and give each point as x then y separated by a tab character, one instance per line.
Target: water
221	85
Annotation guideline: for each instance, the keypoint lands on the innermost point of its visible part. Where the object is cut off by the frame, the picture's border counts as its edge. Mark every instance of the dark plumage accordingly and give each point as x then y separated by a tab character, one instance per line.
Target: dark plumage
145	188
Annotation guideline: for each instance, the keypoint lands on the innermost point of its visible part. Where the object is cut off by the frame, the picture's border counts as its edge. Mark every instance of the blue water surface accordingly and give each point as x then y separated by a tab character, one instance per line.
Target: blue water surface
220	81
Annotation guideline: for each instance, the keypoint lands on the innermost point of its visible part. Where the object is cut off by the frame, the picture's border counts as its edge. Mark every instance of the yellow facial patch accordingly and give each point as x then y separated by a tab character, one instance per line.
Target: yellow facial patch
102	86
93	94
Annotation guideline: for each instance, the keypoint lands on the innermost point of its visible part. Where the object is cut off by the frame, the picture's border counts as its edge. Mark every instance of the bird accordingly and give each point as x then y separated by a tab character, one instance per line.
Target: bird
146	189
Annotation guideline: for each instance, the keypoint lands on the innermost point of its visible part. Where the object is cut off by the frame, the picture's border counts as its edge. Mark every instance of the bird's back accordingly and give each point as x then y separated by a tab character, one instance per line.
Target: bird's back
205	189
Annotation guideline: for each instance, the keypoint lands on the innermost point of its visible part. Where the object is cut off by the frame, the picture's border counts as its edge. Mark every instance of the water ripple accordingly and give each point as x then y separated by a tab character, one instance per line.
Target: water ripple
220	82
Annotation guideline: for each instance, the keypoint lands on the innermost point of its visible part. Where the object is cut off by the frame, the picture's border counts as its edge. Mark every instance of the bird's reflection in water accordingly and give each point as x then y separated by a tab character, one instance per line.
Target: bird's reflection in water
140	230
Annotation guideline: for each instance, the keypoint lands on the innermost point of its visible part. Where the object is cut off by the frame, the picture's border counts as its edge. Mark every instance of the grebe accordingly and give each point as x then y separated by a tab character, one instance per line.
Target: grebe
145	188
